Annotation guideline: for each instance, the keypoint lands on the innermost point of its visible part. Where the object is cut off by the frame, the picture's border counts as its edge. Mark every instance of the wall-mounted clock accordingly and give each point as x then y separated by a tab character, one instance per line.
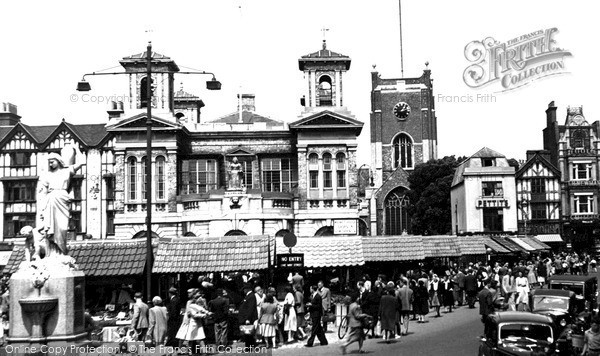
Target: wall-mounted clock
401	110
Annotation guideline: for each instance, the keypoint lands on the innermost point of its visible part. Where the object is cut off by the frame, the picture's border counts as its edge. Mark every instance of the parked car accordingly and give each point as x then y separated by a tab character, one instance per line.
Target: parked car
585	287
518	333
566	310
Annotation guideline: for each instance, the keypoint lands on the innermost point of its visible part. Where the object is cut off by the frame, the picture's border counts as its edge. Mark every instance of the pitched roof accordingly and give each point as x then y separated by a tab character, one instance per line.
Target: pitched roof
441	246
248	117
109	257
392	248
328	251
97	257
324	55
156	58
487	153
471	245
214	254
537	158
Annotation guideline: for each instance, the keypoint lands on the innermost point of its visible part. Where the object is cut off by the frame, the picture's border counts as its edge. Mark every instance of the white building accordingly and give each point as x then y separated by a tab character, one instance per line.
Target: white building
483	195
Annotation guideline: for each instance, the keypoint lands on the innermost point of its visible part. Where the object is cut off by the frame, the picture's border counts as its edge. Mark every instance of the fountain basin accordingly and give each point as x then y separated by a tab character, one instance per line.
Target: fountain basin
38	304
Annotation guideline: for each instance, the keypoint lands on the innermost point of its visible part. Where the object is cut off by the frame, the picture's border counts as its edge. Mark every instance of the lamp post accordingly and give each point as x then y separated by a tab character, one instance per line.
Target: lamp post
212	84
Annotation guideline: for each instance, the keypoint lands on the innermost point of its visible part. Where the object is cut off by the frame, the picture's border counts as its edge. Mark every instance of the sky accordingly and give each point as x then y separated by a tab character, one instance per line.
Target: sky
253	46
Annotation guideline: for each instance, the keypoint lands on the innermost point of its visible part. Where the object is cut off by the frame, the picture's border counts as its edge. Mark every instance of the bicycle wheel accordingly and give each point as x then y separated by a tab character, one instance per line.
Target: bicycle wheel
343	328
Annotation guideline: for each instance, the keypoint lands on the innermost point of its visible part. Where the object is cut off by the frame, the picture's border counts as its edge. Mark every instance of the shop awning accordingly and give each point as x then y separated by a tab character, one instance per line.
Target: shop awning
509	244
327	251
535	243
521	242
549	238
441	246
14	261
471	245
392	248
214	254
495	246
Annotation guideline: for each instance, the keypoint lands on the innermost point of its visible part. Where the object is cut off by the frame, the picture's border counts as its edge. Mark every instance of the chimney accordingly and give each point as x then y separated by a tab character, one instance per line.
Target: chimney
247	102
8	114
550	114
115	109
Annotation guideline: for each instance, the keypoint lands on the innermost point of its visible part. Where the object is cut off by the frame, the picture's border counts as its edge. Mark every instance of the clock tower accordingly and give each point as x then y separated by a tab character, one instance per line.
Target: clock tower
403	134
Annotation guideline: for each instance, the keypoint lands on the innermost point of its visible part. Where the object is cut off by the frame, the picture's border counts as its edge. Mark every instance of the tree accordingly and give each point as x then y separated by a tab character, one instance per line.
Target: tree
430	209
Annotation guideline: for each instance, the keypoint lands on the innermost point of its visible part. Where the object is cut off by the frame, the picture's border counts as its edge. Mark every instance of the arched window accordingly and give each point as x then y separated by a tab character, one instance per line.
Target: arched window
144	92
235	233
325	231
340	166
324	91
160	177
579	139
143	174
313	158
132	177
403	151
396	212
313	170
327	171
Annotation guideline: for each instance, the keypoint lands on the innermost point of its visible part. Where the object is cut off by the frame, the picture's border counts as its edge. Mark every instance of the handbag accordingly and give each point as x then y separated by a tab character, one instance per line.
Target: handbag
286	309
247	329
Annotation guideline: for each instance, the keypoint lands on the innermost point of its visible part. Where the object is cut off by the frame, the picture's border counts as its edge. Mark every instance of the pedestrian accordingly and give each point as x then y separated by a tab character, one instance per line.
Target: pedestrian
460	280
220	309
268	320
448	297
405	305
388	311
326	300
315	308
247	315
486	304
300	312
185	322
435	294
369	304
355	326
195	333
591	339
471	288
522	300
290	324
158	322
140	317
297	281
421	301
174	320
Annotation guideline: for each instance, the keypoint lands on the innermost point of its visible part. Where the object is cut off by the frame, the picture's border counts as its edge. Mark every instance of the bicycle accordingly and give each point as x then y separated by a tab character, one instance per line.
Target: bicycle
343	328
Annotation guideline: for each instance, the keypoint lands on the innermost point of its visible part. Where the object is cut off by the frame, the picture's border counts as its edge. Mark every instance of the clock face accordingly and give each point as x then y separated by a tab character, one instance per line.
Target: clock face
401	110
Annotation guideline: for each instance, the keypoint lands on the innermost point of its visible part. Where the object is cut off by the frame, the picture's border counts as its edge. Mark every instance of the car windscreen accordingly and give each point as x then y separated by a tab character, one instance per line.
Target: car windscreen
531	331
550	302
577	288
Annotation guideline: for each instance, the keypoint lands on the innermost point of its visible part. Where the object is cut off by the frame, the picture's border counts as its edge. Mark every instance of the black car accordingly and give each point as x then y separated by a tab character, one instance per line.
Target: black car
585	287
518	333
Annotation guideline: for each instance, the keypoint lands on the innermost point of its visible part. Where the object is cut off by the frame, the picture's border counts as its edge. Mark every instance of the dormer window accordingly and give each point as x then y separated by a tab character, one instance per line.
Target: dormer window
488	162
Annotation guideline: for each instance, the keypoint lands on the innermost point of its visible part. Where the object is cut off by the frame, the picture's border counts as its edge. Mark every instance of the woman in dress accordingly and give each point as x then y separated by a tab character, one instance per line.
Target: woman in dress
435	294
267	320
195	332
388	309
421	301
448	298
531	274
291	323
522	284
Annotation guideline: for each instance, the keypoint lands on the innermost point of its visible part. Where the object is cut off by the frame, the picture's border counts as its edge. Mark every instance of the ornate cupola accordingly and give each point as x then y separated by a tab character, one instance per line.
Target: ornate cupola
324	71
162	83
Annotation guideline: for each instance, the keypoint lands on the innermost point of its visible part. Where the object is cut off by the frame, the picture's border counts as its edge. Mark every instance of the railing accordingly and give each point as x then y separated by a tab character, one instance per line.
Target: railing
141	207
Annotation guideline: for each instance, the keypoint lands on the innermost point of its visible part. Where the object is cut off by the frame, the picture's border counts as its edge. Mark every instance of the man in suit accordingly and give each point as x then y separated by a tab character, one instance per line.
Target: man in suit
220	308
315	308
471	288
460	280
174	312
297	280
405	301
158	320
140	317
486	304
248	315
325	294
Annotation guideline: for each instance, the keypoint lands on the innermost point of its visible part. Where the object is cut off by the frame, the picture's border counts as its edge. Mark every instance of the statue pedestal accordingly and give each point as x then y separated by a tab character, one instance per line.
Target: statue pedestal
47	321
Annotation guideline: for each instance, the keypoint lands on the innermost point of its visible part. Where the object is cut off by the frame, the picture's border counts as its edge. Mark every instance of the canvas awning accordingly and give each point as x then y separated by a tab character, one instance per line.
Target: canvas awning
214	254
392	248
471	245
535	243
549	238
495	246
509	244
521	242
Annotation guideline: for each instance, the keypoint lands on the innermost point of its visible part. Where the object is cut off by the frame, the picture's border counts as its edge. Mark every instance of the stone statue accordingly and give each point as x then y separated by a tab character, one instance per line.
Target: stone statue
54	202
235	174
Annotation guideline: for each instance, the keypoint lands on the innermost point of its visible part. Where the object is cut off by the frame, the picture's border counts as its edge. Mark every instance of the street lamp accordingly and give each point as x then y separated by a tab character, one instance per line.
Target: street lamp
212	84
